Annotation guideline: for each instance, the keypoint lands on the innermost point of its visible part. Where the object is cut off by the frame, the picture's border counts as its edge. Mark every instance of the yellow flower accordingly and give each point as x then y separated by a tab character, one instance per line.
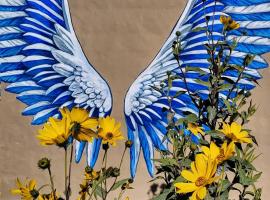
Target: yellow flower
195	129
219	154
27	191
235	133
92	175
82	126
55	131
202	173
83	192
229	23
109	130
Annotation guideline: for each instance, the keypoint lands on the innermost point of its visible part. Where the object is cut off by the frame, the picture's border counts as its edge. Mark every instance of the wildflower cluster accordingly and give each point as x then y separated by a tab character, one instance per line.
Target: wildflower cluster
211	152
76	125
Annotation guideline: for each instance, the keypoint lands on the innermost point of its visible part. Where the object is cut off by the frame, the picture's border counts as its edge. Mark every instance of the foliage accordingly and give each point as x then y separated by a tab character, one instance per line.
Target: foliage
216	132
76	124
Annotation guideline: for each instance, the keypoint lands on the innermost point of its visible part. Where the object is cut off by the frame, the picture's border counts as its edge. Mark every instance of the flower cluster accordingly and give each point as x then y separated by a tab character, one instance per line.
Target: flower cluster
211	153
29	191
78	125
203	171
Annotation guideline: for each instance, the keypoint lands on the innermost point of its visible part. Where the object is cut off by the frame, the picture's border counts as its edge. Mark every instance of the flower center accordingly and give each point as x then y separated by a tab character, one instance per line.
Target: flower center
76	128
34	193
221	155
233	137
201	181
109	135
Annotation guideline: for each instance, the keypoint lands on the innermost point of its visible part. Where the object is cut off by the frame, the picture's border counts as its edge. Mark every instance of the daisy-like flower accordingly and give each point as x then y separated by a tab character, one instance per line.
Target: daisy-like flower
202	173
55	132
83	128
219	154
195	129
109	130
27	191
229	23
235	133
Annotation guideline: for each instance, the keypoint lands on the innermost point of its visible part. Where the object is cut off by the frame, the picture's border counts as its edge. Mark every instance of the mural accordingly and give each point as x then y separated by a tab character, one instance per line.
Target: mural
42	59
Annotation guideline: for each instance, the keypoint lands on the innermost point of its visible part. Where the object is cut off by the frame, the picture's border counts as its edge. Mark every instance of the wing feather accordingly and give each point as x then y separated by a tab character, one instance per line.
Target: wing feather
144	106
42	59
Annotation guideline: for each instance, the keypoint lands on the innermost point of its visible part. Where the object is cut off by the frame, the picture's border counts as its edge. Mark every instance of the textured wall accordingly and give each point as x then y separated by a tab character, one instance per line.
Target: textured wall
120	37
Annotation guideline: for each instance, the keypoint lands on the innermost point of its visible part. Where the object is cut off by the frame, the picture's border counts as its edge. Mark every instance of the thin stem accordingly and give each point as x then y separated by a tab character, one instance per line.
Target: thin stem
120	165
66	193
69	173
52	183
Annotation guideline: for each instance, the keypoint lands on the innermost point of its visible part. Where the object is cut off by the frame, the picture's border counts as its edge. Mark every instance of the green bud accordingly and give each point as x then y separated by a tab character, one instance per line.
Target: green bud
44	163
88	169
178	33
115	172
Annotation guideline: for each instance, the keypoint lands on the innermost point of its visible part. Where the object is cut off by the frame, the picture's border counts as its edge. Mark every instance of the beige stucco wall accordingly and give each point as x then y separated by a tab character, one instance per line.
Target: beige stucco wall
120	37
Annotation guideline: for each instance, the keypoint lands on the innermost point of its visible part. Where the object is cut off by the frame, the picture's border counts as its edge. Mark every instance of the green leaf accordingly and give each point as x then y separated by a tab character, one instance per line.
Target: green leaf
167	161
178	94
205	83
198	29
99	191
119	183
215	134
228	105
192	118
163	195
224	185
211	113
196	69
224	195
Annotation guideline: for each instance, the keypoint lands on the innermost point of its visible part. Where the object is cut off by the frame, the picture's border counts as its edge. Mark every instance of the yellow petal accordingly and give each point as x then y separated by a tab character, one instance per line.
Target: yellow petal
15	191
200	164
78	115
185	187
206	150
201	193
32	184
236	128
194	170
214	150
194	196
90	123
188	175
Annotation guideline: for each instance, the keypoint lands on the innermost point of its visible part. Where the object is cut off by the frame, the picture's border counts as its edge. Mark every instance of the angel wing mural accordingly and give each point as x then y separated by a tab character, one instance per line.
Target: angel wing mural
146	123
44	64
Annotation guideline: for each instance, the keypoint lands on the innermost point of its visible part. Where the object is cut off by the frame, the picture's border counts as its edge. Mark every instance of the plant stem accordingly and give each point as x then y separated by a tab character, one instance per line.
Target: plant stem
120	165
66	193
52	183
69	173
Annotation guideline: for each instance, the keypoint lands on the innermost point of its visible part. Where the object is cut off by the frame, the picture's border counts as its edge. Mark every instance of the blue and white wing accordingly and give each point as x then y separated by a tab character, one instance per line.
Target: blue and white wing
44	63
146	123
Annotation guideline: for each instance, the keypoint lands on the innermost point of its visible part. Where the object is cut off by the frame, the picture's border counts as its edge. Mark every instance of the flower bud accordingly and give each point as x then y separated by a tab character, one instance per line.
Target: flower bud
178	33
88	169
124	186
128	143
105	146
115	172
44	163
